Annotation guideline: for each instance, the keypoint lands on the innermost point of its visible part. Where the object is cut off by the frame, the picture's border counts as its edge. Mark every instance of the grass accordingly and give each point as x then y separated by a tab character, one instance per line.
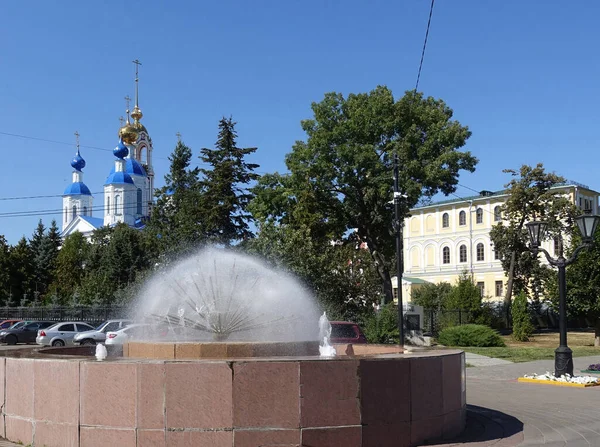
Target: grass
540	347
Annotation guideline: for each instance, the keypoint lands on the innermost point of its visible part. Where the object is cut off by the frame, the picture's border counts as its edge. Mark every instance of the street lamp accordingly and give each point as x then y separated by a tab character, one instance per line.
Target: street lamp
397	225
587	223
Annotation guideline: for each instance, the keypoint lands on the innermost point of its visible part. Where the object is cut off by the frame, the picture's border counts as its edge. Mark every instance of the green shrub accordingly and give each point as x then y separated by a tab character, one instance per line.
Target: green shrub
382	327
522	327
470	335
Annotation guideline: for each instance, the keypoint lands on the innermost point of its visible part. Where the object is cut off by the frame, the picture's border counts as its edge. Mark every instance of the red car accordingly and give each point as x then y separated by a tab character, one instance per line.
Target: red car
5	324
346	332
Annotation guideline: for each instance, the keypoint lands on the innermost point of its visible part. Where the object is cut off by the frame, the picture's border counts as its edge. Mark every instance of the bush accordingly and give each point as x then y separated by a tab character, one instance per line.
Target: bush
470	335
382	327
522	327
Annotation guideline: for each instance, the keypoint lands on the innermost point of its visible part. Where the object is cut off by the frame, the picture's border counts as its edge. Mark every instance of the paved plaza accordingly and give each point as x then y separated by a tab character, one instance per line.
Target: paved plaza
503	412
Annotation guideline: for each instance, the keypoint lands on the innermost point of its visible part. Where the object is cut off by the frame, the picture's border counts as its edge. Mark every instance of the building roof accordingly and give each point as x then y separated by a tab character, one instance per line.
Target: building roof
132	167
118	178
96	222
77	188
487	194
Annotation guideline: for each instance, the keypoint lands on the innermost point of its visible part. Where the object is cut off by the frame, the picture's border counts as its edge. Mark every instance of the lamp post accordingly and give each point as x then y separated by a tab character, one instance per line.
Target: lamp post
397	225
587	223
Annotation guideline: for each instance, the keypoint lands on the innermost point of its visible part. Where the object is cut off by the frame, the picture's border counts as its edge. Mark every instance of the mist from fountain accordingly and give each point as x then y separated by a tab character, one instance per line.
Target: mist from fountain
218	294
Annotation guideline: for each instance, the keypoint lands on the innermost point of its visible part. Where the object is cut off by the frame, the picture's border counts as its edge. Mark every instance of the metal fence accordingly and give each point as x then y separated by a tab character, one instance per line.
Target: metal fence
88	314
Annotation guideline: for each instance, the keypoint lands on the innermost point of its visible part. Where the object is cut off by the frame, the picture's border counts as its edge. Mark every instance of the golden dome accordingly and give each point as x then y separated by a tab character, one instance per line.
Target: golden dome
137	113
128	133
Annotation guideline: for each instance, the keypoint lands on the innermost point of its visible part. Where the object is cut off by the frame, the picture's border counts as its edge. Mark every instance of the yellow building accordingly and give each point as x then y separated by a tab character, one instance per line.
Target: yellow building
446	238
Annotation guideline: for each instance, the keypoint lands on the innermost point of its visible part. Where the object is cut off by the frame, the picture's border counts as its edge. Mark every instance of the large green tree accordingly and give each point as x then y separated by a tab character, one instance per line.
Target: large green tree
225	194
70	266
532	194
21	272
175	217
341	176
44	245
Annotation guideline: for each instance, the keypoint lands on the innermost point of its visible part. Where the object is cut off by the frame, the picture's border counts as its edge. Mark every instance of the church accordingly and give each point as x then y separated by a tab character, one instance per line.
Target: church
128	189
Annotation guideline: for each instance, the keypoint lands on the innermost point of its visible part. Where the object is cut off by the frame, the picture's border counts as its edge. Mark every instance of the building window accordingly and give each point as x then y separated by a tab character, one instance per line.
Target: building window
445	220
497	214
139	201
463	253
479	216
74	211
107	206
481	287
117	205
462	218
446	255
499	288
85	210
496	255
66	214
480	254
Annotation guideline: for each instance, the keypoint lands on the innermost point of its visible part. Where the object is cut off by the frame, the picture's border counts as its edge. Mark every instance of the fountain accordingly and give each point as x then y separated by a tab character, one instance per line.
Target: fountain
246	362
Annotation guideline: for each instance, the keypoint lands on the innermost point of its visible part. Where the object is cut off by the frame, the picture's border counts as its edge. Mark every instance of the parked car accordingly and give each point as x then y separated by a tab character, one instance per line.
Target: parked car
128	333
61	334
8	323
98	335
23	332
346	332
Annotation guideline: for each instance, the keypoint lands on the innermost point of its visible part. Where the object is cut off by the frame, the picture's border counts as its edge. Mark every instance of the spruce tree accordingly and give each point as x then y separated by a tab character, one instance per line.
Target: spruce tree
174	220
21	269
225	194
5	278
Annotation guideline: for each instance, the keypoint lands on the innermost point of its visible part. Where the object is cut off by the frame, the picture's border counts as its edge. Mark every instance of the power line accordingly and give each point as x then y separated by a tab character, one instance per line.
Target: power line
424	46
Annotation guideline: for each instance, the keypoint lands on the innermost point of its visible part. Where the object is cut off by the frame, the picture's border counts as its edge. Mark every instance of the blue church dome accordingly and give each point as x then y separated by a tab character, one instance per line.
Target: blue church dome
121	150
78	162
118	177
132	167
77	188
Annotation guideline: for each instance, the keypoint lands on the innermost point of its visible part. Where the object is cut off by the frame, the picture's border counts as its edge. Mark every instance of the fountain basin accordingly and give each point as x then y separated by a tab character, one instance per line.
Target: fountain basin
217	350
362	400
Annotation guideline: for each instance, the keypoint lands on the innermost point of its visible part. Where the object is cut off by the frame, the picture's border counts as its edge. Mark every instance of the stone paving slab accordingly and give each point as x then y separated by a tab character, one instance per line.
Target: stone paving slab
549	415
482	360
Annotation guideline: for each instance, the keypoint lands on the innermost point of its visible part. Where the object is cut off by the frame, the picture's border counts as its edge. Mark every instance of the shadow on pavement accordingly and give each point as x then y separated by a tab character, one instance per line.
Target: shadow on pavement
486	427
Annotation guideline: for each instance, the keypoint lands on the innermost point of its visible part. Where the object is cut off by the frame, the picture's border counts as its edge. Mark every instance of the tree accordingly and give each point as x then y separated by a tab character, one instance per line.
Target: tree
44	247
583	284
532	194
5	271
21	270
521	320
341	176
340	274
70	266
432	296
225	194
175	218
465	295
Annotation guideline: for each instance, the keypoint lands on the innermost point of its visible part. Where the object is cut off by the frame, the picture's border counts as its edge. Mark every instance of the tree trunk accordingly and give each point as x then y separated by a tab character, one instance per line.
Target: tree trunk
384	274
597	333
509	283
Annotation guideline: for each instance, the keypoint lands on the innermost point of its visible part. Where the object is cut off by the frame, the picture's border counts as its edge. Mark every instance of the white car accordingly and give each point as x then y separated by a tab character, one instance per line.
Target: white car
132	331
99	334
61	334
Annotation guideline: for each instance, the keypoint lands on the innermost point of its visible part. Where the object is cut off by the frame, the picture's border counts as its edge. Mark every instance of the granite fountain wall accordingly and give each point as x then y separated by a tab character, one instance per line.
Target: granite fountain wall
363	400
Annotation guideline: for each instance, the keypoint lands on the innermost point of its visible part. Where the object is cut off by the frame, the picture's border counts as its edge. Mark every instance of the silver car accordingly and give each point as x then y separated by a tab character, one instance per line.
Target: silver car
98	335
61	334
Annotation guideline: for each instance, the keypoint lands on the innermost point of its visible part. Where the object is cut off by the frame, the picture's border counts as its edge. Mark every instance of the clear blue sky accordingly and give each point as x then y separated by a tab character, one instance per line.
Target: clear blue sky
523	75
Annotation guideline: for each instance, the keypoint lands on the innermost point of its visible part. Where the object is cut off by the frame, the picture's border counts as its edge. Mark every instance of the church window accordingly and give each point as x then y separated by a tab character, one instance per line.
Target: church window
74	211
117	205
66	214
139	201
107	206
